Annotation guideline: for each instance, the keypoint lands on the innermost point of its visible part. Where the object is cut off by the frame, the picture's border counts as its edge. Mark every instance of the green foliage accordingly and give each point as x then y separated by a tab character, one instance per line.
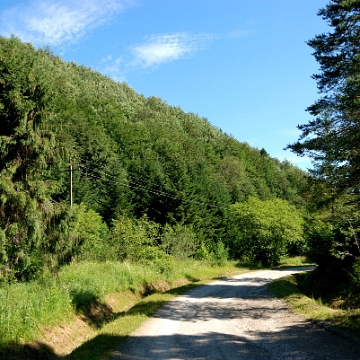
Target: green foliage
155	175
129	235
27	155
331	139
202	253
219	254
179	241
321	239
92	234
264	230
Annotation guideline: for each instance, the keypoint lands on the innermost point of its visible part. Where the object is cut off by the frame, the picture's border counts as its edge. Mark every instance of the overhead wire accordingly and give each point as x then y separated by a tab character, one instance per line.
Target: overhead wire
135	178
96	174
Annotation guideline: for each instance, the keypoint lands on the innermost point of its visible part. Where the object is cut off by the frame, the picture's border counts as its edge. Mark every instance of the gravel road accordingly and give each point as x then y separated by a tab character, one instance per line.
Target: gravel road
234	318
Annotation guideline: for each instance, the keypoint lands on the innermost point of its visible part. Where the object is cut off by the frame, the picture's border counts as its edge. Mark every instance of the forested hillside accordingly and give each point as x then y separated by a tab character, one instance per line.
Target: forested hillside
149	180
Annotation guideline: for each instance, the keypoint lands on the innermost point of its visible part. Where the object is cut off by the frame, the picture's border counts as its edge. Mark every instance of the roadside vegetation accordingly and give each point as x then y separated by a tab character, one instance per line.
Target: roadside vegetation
56	314
326	308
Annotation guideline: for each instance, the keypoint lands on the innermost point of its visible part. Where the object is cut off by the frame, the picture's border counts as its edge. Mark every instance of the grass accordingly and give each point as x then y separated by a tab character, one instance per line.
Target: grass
24	306
288	289
294	261
110	299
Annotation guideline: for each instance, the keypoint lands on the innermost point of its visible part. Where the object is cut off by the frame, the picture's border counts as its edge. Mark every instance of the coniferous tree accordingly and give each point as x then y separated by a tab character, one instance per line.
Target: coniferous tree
26	155
332	139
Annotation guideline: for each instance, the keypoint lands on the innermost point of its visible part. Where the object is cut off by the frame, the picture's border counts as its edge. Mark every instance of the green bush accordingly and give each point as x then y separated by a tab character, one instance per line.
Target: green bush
157	258
219	254
92	234
320	238
129	235
202	253
179	241
265	230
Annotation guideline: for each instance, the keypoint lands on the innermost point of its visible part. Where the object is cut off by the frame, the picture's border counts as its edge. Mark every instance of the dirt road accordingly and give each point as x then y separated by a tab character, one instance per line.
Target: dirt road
234	318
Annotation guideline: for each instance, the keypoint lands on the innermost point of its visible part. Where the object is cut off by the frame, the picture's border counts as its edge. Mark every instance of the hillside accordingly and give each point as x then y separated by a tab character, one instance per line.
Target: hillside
133	158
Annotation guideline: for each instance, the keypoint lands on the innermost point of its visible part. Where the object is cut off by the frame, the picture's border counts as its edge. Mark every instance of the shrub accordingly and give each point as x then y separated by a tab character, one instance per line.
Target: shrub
219	254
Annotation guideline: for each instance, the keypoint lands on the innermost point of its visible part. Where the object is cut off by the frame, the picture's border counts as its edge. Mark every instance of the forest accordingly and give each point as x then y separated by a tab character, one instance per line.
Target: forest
92	170
147	181
98	182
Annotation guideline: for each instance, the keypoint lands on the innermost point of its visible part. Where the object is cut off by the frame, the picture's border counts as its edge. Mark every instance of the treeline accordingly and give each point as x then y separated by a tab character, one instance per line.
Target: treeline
150	182
331	139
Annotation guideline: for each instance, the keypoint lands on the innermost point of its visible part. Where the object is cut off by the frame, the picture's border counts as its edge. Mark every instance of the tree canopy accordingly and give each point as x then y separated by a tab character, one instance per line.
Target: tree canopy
332	138
133	158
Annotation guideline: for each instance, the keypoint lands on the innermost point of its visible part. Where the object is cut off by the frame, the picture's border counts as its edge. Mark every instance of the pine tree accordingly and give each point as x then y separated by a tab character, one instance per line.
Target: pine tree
332	139
27	153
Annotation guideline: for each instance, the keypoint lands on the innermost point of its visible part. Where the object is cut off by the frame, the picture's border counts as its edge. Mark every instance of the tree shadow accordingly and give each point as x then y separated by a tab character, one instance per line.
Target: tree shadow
303	341
36	351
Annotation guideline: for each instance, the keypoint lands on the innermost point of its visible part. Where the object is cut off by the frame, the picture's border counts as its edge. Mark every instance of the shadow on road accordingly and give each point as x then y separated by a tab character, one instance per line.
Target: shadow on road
292	343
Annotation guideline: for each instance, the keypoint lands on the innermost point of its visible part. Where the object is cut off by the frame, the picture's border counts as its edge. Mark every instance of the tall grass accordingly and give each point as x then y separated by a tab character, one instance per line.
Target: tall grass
26	308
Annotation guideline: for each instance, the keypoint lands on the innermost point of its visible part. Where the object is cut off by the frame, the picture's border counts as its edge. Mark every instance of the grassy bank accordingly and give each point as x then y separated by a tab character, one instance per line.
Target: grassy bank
87	302
332	312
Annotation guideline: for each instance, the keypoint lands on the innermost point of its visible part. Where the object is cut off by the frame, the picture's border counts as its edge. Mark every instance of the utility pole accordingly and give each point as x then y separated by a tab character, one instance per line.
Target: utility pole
71	184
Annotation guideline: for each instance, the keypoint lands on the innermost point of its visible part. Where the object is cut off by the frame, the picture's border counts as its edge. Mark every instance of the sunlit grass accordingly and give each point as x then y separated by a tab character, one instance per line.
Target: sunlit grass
26	308
294	261
288	290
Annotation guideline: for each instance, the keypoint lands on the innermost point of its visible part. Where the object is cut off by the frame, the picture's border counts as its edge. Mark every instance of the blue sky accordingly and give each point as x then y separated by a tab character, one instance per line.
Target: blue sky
242	64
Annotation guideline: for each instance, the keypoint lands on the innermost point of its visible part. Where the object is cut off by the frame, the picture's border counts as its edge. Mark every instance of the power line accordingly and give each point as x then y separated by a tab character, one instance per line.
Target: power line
95	174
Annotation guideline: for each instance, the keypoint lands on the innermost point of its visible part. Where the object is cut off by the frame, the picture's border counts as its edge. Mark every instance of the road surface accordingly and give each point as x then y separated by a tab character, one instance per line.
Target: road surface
234	318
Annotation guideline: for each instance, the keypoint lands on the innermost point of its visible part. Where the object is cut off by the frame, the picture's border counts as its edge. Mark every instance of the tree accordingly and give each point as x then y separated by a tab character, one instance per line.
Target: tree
266	229
27	214
332	139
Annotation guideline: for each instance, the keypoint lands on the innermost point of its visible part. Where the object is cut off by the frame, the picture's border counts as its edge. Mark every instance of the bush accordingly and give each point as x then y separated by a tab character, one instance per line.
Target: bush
92	234
265	230
179	241
320	239
219	254
154	256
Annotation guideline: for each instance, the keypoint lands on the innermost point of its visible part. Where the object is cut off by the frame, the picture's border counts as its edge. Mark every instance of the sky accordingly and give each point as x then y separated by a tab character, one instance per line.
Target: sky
244	65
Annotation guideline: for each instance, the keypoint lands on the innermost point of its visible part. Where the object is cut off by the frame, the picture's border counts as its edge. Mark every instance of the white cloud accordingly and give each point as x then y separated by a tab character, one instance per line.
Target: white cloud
155	51
159	49
43	22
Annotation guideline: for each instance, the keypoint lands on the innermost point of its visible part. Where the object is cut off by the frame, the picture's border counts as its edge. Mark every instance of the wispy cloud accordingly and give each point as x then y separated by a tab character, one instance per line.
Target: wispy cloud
44	22
114	68
160	49
156	50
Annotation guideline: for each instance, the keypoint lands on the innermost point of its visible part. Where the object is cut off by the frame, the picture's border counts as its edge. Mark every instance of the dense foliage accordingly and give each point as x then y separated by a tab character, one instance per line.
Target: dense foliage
149	180
267	230
332	139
